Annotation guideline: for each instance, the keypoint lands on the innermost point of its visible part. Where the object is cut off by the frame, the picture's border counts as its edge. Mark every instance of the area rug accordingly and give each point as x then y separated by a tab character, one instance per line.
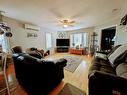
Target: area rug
69	89
72	63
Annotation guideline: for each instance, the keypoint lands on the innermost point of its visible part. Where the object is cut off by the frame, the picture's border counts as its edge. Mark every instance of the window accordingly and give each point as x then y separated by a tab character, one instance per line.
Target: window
48	40
71	40
85	43
3	44
78	39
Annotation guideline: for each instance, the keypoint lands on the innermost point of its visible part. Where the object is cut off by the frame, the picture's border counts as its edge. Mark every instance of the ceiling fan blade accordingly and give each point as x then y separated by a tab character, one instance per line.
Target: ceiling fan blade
81	13
72	21
56	13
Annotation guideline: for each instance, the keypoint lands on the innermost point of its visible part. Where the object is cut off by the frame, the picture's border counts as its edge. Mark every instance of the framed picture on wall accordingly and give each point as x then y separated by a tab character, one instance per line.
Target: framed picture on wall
32	35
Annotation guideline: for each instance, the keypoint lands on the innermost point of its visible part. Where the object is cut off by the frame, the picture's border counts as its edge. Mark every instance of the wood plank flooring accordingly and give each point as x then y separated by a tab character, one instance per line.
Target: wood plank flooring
79	78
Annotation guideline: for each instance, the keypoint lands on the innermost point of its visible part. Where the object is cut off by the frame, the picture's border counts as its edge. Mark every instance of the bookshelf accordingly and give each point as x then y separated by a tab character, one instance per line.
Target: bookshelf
94	40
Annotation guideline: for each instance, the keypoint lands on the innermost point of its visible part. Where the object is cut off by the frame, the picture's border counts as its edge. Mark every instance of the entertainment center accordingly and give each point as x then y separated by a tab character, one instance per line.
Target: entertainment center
62	45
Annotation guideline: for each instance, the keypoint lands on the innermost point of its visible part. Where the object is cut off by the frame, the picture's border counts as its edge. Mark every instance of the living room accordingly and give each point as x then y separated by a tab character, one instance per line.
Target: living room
63	32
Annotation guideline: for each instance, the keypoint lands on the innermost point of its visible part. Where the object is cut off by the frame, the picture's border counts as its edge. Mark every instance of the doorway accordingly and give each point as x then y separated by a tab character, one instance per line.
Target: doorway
107	36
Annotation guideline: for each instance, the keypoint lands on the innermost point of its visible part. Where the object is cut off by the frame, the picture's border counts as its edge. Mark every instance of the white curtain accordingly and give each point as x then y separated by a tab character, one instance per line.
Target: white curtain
4	41
48	40
79	39
85	40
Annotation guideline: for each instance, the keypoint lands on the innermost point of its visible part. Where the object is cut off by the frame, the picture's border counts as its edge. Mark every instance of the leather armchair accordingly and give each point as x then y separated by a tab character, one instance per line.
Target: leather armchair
38	76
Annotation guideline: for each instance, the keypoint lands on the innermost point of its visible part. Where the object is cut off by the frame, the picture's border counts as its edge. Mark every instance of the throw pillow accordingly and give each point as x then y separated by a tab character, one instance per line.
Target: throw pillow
114	48
120	50
121	70
121	59
101	56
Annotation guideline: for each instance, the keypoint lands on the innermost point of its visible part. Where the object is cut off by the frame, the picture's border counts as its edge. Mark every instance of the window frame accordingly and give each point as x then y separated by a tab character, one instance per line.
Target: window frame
47	40
82	39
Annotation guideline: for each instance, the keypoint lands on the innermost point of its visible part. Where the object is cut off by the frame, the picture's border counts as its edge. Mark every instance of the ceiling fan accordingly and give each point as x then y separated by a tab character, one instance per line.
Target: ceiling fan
66	23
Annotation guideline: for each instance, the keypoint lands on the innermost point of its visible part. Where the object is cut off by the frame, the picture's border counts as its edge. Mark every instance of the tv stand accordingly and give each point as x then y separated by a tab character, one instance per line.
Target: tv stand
62	48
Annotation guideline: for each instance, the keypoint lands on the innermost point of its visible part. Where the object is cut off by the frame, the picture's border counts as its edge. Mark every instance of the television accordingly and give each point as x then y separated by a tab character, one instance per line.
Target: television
62	42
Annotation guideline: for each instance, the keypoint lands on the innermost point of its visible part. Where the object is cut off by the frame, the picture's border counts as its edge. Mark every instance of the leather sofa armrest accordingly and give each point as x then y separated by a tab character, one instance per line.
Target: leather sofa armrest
95	66
102	52
61	62
101	83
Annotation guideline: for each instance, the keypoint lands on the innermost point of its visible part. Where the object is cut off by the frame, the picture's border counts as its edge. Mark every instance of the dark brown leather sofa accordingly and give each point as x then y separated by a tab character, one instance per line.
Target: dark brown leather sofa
38	76
107	79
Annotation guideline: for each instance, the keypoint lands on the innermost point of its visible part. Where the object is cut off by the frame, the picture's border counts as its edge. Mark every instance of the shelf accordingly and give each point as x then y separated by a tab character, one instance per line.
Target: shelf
62	49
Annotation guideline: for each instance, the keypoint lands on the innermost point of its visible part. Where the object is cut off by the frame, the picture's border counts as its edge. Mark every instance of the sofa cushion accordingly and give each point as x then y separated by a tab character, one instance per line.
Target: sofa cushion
121	70
121	49
102	65
106	67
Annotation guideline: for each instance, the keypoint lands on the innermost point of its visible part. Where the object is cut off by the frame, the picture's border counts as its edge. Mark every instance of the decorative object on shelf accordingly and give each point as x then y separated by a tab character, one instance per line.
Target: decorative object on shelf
77	46
73	44
93	43
8	34
32	35
80	45
66	23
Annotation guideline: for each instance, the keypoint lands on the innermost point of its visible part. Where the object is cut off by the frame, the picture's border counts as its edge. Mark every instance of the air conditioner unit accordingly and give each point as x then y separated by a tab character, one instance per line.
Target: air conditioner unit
31	27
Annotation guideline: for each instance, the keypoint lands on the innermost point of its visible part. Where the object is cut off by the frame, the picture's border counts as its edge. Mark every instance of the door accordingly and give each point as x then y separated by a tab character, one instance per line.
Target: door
107	38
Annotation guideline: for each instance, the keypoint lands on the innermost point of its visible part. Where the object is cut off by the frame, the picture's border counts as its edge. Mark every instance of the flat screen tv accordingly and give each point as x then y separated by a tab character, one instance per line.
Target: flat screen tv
62	42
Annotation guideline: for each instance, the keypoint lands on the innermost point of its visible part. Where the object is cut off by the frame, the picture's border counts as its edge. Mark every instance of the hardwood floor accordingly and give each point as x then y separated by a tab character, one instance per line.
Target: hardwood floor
79	78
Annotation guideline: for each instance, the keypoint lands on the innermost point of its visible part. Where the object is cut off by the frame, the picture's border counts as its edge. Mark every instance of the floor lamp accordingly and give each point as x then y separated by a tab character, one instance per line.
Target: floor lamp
4	30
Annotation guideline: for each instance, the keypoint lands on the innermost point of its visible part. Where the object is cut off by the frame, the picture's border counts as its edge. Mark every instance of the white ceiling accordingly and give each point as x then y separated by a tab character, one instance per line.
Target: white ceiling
47	13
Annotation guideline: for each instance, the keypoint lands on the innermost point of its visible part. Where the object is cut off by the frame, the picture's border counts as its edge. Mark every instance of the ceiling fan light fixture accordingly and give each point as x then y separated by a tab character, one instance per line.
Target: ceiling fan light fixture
66	23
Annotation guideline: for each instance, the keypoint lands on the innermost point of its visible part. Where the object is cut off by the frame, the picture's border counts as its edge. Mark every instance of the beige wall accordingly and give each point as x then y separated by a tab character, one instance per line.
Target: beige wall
121	33
121	36
20	35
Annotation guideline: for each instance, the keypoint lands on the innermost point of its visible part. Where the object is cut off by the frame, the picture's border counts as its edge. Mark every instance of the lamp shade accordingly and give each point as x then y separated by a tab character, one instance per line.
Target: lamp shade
8	34
1	32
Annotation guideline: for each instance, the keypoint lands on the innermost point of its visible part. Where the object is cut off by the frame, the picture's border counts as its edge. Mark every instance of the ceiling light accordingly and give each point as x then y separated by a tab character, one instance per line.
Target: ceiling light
65	26
67	23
